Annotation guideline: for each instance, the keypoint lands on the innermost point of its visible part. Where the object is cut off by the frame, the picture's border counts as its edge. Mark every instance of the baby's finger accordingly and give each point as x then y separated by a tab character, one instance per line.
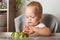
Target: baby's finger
24	26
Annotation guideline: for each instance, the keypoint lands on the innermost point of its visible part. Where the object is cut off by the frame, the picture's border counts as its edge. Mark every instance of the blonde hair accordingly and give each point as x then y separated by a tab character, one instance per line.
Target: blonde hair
37	5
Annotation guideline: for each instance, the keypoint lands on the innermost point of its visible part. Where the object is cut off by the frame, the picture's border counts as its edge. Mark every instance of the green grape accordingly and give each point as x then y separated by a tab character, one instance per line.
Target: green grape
13	34
25	35
16	34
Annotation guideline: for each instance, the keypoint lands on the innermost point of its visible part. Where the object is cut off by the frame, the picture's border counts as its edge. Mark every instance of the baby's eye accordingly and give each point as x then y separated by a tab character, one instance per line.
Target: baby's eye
32	16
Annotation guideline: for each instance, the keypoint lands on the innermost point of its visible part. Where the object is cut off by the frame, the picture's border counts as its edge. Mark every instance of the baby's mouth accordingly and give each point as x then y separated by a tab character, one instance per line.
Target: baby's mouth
29	22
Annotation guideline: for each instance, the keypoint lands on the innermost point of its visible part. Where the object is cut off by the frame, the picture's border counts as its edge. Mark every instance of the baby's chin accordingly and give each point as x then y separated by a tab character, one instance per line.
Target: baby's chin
31	25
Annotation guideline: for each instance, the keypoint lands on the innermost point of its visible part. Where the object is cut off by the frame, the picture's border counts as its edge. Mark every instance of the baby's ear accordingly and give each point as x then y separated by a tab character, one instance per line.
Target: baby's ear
41	16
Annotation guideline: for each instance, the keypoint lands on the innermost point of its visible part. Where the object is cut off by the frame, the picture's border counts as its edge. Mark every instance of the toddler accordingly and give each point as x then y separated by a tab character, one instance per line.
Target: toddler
33	14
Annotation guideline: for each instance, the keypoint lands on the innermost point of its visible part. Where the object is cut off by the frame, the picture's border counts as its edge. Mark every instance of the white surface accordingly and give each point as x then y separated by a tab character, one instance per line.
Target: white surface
7	36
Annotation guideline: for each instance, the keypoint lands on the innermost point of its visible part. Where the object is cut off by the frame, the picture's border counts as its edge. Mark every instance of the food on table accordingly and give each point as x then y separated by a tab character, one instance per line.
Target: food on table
19	35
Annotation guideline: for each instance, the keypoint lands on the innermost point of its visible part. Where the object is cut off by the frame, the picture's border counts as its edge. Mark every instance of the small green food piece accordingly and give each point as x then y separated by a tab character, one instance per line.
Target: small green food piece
21	36
25	35
16	35
13	34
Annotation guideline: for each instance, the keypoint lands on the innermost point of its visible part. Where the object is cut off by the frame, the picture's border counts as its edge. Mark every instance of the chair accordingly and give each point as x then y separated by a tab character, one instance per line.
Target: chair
48	19
19	22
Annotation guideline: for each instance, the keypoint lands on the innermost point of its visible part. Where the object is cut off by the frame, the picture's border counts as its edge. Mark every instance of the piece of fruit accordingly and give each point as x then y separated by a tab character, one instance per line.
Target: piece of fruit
25	35
13	34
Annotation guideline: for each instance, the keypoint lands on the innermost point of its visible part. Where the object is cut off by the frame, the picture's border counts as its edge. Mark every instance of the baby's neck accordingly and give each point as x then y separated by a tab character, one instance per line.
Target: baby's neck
32	25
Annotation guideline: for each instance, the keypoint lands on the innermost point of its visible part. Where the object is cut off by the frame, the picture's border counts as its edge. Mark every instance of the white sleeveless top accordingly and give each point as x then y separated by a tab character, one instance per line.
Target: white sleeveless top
40	25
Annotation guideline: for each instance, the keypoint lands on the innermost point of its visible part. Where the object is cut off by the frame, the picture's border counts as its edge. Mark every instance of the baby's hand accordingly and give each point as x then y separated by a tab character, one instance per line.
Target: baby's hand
26	29
31	32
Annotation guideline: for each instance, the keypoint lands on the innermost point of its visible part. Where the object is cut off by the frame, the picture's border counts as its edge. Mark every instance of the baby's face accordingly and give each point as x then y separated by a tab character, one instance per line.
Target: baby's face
31	18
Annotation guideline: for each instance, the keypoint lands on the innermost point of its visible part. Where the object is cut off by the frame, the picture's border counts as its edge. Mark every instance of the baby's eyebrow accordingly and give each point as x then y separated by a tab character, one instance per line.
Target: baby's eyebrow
32	16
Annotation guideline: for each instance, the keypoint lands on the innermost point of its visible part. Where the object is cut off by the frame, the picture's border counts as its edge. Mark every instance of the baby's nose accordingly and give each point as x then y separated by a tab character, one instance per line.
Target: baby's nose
30	19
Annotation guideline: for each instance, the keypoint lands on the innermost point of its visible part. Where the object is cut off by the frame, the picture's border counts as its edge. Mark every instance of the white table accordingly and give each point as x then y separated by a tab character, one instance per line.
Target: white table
7	36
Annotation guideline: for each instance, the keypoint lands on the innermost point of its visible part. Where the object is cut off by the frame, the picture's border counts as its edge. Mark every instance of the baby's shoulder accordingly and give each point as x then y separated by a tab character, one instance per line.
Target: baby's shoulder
41	25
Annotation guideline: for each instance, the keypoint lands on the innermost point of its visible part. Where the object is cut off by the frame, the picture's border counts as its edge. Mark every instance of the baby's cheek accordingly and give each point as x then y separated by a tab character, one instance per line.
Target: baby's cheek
26	20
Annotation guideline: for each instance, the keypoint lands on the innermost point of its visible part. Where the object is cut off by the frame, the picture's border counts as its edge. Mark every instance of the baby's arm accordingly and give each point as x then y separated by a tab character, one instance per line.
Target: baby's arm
45	31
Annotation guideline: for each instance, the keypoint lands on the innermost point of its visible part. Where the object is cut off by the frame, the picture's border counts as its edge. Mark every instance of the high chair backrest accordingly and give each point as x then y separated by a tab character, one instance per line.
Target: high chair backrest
50	21
19	22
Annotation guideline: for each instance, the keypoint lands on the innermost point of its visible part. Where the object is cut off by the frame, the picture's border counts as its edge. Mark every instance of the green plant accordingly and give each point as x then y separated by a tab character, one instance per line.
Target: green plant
18	4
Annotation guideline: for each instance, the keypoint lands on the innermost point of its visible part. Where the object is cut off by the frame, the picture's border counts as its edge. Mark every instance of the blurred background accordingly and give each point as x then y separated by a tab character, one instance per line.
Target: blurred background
16	9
